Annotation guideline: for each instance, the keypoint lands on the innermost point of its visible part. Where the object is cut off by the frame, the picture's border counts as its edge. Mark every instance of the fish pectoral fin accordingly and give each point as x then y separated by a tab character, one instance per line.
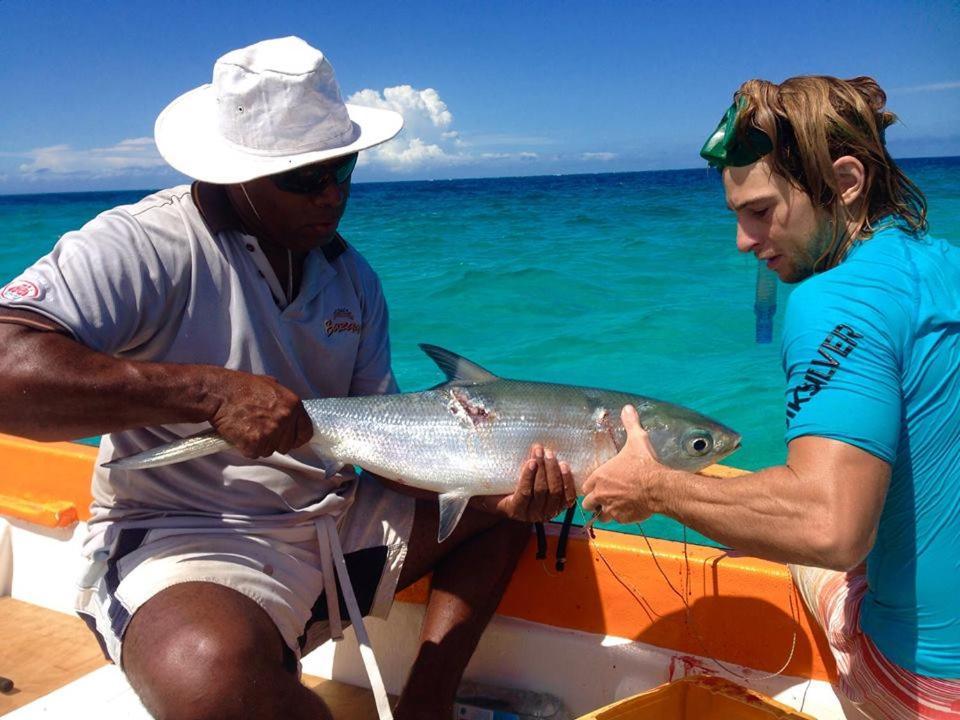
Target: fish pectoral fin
452	506
456	367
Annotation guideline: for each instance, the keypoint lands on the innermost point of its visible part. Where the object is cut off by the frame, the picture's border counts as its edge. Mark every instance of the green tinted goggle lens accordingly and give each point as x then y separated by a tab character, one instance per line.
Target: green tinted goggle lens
312	179
724	149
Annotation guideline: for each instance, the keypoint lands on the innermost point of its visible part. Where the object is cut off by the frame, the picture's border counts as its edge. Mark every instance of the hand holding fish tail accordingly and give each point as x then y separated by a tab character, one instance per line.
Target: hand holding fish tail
545	487
621	488
257	415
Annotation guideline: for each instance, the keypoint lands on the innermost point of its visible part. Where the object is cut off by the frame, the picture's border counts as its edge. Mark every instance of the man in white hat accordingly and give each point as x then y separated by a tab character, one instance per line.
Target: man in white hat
225	302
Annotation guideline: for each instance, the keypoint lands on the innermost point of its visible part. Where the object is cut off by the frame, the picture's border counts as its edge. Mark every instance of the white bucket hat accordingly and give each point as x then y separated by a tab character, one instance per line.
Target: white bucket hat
272	106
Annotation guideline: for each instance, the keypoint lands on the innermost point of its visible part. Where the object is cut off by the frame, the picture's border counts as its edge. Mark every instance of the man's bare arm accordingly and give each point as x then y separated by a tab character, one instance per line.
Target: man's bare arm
821	508
54	388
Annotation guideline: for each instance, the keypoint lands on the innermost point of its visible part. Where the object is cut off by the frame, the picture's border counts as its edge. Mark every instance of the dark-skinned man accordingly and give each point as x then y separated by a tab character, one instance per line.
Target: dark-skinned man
225	302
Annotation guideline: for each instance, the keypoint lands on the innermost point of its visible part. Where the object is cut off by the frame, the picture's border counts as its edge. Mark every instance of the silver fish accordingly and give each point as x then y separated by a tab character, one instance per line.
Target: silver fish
470	435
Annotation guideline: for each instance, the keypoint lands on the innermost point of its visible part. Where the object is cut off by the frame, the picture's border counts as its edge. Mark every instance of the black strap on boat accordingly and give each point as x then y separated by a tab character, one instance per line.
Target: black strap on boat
564	535
541	541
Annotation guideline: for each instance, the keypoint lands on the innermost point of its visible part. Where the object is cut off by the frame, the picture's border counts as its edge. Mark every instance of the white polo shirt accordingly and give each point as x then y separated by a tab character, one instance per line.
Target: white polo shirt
151	281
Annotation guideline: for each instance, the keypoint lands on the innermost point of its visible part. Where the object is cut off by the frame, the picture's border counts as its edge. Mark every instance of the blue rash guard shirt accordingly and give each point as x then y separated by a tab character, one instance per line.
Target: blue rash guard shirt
871	351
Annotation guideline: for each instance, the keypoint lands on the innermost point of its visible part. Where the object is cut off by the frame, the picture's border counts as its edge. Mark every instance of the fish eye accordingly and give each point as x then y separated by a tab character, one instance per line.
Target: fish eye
697	442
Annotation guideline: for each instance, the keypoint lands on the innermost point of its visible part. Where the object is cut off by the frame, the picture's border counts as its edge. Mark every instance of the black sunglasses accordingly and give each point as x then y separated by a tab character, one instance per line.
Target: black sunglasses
312	179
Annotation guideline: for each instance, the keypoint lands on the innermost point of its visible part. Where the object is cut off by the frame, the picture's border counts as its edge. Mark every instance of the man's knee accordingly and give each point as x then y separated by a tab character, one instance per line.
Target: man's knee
204	651
194	673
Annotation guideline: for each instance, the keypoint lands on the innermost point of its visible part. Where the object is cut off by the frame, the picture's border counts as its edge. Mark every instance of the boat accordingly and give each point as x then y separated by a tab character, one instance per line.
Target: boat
628	614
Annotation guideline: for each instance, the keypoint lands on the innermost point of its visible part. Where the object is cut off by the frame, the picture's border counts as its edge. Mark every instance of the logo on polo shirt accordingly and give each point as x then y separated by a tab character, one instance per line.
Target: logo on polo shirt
342	321
21	290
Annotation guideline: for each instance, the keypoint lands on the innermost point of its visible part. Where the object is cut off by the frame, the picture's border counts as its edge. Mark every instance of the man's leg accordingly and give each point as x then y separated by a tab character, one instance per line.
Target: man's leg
202	650
470	573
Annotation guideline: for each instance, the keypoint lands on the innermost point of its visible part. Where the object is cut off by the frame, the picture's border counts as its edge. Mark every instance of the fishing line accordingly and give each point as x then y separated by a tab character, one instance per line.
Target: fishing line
252	206
642	601
803	702
637	595
547	570
689	617
542	548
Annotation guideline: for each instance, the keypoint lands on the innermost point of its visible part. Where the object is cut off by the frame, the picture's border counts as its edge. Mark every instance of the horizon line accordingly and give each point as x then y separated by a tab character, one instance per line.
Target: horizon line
445	180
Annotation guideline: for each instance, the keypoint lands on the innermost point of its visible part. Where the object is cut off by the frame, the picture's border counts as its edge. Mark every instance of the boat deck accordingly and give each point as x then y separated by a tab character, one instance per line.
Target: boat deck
43	650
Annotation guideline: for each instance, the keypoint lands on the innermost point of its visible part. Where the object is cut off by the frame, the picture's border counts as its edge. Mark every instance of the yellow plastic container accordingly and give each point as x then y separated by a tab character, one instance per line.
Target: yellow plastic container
697	697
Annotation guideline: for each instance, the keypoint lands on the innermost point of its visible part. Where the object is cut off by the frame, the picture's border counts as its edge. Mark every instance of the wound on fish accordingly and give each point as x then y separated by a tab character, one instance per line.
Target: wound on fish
467	410
601	418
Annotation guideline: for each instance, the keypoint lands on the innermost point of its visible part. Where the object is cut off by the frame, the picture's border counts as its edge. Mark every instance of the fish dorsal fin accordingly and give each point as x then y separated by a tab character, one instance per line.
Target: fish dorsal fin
456	367
452	506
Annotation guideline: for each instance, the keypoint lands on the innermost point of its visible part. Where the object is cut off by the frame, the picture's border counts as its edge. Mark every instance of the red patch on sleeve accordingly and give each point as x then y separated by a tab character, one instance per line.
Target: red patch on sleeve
21	290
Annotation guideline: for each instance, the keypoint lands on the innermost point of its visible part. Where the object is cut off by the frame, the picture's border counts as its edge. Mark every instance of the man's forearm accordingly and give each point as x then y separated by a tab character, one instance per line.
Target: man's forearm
771	514
53	388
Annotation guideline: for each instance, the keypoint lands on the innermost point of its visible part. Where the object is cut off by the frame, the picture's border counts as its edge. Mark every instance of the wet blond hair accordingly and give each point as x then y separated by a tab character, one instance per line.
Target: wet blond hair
812	121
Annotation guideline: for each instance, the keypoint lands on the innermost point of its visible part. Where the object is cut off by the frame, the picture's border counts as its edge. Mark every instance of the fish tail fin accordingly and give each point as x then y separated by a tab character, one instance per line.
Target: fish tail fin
195	446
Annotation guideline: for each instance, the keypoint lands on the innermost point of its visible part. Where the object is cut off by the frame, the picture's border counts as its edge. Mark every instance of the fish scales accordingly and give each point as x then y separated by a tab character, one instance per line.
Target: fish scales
430	440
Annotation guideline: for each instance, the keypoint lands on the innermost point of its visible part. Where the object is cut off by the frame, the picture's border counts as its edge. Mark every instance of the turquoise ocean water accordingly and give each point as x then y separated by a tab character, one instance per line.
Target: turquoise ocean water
625	281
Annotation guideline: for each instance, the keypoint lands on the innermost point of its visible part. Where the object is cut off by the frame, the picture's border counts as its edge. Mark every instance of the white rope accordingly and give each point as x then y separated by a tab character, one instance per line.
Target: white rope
329	584
366	650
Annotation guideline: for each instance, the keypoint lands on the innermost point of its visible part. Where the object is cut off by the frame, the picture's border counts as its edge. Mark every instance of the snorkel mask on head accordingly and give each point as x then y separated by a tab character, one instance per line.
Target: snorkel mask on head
724	149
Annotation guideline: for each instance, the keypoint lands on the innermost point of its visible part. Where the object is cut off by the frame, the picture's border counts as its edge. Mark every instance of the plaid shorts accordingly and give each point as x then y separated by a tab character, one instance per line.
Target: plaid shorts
876	686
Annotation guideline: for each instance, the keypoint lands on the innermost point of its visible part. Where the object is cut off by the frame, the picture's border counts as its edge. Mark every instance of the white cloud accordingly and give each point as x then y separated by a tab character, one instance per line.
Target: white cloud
126	157
414	152
418	107
605	156
526	155
428	139
930	87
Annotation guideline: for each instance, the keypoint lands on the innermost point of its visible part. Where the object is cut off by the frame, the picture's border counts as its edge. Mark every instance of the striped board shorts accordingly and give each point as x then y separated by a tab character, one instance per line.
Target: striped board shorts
876	687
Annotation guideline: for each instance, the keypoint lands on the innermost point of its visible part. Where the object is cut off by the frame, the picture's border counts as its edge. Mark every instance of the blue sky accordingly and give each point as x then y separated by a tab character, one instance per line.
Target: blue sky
487	88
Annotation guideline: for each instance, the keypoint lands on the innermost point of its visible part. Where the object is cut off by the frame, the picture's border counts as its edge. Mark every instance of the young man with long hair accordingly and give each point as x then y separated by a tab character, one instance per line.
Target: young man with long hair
866	508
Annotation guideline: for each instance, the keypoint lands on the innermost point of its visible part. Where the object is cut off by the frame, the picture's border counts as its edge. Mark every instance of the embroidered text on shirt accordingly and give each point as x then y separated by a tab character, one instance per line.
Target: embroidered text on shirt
343	321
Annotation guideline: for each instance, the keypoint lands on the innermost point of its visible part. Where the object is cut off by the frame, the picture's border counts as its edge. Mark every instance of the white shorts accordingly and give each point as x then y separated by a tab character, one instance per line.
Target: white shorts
279	568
